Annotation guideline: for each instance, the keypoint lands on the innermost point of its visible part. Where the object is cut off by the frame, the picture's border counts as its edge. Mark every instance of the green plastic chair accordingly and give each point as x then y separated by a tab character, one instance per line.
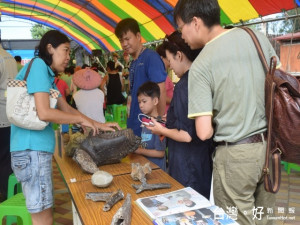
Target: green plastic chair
15	206
121	116
285	165
109	117
14	186
112	109
293	166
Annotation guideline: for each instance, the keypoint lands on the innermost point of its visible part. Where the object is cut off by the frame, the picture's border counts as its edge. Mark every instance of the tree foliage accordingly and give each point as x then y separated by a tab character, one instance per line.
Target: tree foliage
281	26
38	30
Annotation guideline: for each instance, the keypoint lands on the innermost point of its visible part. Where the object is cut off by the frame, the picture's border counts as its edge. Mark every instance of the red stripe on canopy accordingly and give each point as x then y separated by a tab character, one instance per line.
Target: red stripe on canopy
267	7
155	15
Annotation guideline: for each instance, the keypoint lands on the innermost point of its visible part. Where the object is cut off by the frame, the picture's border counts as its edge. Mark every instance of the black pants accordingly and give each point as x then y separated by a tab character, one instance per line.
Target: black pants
5	162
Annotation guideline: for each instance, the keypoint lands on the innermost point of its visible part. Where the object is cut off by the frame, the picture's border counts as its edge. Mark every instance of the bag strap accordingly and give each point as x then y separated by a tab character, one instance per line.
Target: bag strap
269	185
258	48
28	69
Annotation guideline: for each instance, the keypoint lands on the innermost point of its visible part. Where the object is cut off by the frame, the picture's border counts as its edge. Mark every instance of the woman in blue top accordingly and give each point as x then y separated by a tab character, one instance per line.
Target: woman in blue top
189	158
32	150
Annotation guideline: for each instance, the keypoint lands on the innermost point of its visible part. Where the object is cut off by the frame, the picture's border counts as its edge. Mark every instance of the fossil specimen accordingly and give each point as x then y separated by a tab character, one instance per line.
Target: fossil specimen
104	148
113	199
123	215
139	172
110	198
98	196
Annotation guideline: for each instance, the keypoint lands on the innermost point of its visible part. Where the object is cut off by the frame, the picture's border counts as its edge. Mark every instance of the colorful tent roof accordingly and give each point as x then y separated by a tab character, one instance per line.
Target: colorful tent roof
91	23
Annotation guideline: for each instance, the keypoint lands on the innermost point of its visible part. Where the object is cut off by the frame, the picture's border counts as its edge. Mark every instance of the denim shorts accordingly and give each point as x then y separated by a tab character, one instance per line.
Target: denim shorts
33	169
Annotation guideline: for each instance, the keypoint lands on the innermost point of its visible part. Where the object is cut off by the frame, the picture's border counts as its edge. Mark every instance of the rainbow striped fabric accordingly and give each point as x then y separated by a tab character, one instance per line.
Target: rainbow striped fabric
91	23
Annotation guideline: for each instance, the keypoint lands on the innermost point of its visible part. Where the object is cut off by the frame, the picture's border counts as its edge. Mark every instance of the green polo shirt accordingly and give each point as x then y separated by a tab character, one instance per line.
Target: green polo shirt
226	81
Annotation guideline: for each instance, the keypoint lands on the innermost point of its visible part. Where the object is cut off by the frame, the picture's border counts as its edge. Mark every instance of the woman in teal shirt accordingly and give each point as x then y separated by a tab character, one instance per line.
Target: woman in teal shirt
32	150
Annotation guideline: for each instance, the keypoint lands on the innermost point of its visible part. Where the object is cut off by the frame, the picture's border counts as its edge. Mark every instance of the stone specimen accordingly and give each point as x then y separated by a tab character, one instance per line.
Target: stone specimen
110	147
98	196
145	186
110	198
113	199
123	215
102	179
85	161
138	172
90	151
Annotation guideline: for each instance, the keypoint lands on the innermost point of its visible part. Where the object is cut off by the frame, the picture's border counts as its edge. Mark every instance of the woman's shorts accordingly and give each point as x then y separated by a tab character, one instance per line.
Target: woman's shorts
33	170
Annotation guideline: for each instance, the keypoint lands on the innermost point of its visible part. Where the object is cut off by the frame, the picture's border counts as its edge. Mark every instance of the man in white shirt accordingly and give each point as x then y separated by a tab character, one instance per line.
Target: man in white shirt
8	70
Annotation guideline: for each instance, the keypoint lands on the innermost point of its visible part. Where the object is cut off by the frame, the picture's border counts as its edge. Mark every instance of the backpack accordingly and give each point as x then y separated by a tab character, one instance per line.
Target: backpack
282	105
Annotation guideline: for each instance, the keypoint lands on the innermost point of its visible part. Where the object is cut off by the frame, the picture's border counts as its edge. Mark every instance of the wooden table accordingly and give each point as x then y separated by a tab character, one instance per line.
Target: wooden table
71	170
91	212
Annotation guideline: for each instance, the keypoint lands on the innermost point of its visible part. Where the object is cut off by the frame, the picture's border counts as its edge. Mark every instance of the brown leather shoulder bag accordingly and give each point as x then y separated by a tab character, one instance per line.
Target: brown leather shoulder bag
282	103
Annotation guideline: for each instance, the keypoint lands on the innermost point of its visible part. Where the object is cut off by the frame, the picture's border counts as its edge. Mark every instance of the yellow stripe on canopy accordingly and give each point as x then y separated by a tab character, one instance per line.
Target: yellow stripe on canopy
237	9
141	18
51	20
82	15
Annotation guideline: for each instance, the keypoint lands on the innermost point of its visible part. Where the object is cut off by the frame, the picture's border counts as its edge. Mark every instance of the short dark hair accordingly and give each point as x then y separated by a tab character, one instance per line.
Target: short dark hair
84	66
18	58
207	10
53	37
125	25
161	50
119	68
175	42
149	89
69	70
111	65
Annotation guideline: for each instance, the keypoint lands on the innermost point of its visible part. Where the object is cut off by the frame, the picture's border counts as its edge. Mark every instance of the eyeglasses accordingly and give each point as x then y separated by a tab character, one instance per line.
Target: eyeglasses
179	29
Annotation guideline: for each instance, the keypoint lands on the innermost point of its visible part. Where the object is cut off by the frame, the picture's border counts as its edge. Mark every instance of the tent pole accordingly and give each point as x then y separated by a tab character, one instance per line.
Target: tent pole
267	20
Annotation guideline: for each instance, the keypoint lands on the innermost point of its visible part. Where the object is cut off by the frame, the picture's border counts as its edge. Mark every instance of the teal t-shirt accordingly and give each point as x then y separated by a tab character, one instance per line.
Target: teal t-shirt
40	79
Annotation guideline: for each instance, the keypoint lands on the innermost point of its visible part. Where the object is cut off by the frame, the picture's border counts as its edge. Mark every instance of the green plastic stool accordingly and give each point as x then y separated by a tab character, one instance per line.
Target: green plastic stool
112	109
293	166
121	116
109	117
285	165
13	184
15	206
14	187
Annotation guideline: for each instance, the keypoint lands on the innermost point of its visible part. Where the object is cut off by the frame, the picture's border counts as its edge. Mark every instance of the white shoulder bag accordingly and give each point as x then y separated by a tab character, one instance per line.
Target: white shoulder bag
20	106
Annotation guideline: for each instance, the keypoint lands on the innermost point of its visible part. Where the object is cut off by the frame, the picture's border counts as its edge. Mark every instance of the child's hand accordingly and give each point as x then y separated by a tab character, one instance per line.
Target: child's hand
156	127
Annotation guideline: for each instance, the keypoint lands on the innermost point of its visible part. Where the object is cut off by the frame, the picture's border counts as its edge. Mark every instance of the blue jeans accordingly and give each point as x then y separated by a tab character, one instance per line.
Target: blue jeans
33	170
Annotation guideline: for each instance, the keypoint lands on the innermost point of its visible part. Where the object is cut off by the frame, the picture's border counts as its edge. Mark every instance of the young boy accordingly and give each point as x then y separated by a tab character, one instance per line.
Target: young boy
152	146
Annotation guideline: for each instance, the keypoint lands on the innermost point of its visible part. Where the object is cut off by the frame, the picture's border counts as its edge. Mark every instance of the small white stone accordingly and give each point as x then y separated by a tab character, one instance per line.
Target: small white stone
102	178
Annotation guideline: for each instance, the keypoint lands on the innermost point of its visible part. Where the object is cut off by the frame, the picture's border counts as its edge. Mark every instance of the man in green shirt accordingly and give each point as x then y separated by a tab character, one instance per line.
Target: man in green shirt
226	99
18	60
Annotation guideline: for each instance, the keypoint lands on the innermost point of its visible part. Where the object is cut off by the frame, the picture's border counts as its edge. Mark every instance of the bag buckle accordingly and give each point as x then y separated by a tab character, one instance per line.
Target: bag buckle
278	149
266	171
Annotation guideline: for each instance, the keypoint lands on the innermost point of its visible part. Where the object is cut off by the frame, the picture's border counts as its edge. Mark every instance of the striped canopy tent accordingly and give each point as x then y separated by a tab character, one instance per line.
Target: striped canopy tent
91	23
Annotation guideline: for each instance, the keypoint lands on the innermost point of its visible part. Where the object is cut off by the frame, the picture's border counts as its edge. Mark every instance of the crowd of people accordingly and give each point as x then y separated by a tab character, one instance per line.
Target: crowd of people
212	122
